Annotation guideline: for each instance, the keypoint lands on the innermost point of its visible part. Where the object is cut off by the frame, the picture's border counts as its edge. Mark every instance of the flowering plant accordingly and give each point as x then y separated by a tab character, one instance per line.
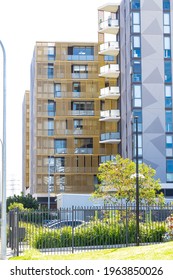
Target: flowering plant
169	234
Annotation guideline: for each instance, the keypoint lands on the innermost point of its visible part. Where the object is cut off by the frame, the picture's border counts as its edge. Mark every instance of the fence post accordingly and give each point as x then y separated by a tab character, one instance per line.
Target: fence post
17	231
126	224
73	229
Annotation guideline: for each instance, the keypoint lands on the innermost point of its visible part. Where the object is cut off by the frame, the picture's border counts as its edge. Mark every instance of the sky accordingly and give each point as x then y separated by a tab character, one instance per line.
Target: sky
22	23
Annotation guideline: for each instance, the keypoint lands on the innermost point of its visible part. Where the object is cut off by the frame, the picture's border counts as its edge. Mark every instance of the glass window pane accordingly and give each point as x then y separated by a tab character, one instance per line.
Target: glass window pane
136	18
137	91
136	41
168	91
168	72
166	18
167	43
169	165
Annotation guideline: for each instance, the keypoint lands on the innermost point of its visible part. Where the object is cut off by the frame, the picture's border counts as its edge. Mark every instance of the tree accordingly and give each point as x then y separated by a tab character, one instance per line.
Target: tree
15	205
28	201
117	180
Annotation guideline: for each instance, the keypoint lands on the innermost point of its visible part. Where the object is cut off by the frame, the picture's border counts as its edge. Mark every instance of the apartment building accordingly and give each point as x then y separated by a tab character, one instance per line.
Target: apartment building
84	97
146	84
67	118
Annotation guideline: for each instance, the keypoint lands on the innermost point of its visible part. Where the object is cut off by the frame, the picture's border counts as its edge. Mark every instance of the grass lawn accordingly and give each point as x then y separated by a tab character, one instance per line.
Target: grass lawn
162	251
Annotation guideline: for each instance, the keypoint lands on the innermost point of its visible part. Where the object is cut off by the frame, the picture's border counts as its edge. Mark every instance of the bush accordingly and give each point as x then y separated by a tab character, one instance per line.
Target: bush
97	233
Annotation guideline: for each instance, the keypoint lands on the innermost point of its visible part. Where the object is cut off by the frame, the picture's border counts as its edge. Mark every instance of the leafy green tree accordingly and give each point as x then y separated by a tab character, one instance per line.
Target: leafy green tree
15	205
28	201
118	181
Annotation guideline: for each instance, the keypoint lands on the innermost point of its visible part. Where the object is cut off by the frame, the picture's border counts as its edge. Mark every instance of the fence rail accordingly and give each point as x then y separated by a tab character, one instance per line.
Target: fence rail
77	229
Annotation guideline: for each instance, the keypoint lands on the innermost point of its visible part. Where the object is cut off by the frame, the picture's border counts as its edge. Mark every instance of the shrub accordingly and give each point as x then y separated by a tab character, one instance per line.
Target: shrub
96	233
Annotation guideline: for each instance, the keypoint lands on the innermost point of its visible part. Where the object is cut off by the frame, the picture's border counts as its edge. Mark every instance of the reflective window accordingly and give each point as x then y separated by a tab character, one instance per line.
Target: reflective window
136	22
137	113
166	23
50	71
51	53
168	72
57	90
167	47
137	95
168	116
168	96
166	5
80	53
60	146
169	165
51	108
136	76
135	4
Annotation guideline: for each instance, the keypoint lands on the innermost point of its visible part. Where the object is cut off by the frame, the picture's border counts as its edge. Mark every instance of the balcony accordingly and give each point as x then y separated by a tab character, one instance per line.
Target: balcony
107	158
60	150
110	93
110	7
83	151
110	115
110	138
82	112
109	71
109	48
110	26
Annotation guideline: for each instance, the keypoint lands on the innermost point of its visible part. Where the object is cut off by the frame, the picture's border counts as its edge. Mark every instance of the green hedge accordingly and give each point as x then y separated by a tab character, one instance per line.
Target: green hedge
94	234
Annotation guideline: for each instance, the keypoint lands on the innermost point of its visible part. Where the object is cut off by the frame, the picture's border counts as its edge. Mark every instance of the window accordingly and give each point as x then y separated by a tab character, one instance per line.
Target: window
135	4
60	146
168	117
79	71
51	108
138	113
51	165
167	47
168	72
109	58
50	127
49	180
166	23
82	108
80	53
51	53
76	87
139	145
78	124
166	5
59	164
137	96
57	90
136	22
169	165
83	145
136	46
169	145
136	76
168	96
50	72
62	183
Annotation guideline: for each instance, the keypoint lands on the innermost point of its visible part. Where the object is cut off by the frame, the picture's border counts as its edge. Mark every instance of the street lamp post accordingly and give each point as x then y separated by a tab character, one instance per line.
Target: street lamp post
3	214
137	184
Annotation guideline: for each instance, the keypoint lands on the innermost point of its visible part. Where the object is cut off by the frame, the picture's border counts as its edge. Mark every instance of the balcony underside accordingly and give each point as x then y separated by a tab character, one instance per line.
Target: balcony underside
110	119
110	74
110	141
112	8
110	96
110	30
110	51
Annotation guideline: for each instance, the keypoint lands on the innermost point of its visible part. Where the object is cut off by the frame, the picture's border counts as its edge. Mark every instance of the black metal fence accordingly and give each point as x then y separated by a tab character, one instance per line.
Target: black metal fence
77	229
